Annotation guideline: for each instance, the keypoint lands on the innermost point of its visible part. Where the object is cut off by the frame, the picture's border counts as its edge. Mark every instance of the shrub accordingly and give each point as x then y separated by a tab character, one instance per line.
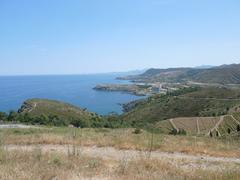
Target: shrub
174	132
56	159
182	132
12	116
229	130
79	123
238	128
137	131
211	135
3	116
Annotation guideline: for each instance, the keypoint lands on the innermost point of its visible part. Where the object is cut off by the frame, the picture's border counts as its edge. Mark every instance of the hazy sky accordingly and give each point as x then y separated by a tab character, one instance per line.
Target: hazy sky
91	36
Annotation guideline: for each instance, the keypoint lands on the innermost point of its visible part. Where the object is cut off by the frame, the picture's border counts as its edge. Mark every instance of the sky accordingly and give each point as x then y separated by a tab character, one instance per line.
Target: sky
96	36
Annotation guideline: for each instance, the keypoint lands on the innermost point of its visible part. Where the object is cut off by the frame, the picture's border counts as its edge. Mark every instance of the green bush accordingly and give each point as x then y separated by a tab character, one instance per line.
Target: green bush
182	132
3	116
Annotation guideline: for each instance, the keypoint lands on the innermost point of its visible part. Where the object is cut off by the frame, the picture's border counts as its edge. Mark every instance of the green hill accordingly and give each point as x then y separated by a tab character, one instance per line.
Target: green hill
187	102
50	110
226	74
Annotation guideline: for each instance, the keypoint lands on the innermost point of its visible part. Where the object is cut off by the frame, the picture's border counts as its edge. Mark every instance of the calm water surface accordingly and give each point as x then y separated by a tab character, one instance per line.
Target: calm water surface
74	89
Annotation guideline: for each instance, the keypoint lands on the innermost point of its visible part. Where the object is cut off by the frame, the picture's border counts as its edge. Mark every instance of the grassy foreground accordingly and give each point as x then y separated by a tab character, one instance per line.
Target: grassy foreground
37	164
124	139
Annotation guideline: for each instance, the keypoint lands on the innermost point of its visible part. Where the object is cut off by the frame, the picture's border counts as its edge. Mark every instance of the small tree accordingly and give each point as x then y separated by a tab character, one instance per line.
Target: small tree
211	135
79	123
3	116
229	131
27	118
174	132
182	132
238	128
12	116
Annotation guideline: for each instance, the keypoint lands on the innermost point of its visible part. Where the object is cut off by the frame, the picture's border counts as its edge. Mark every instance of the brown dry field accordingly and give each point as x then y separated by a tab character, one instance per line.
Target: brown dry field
39	163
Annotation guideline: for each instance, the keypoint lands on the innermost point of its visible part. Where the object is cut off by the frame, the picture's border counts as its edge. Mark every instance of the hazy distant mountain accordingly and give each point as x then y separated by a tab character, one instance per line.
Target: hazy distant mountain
127	73
224	74
204	67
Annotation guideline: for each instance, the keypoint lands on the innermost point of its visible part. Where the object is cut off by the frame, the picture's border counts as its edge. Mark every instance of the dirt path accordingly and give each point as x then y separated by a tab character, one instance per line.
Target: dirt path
174	126
198	129
118	154
34	106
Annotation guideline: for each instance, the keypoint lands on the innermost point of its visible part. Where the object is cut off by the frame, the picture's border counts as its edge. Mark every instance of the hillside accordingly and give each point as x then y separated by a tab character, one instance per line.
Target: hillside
44	108
209	126
187	102
225	74
161	75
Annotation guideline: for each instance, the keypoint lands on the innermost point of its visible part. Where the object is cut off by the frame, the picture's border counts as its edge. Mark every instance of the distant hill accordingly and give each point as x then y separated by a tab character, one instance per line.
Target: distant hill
225	74
127	73
187	102
204	67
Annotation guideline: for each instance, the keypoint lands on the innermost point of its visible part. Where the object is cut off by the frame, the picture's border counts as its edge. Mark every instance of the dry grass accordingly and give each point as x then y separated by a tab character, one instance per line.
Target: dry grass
162	169
35	165
124	139
45	166
38	164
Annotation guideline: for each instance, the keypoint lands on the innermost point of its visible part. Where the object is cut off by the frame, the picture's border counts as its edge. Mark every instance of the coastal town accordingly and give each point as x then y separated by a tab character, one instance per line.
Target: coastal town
141	88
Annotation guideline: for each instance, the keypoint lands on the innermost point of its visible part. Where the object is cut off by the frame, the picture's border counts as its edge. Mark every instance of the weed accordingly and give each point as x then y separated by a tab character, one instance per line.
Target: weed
93	163
56	159
122	167
37	152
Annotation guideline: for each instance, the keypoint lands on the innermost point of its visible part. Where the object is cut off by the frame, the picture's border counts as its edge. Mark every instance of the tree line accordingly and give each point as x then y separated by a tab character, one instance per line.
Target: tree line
110	121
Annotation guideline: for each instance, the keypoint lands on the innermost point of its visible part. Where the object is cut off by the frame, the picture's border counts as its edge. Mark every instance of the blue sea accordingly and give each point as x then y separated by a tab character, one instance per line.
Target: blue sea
73	89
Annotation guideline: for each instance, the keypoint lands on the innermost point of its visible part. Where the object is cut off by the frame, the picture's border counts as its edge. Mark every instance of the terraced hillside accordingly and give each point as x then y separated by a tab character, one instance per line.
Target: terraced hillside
210	126
187	102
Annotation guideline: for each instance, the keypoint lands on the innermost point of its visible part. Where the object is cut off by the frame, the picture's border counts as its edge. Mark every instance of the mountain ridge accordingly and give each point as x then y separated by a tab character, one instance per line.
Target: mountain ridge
224	74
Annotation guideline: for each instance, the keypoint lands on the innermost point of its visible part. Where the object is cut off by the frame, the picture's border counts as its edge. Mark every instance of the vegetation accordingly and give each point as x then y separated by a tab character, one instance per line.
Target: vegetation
68	112
3	116
186	102
36	164
137	131
152	113
55	113
180	132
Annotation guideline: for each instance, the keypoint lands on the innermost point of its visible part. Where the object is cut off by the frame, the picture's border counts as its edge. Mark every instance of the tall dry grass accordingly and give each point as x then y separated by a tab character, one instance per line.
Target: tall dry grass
126	139
36	165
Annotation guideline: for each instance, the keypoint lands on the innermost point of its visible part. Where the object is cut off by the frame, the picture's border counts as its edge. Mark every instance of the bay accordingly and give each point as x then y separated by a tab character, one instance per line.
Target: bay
73	89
